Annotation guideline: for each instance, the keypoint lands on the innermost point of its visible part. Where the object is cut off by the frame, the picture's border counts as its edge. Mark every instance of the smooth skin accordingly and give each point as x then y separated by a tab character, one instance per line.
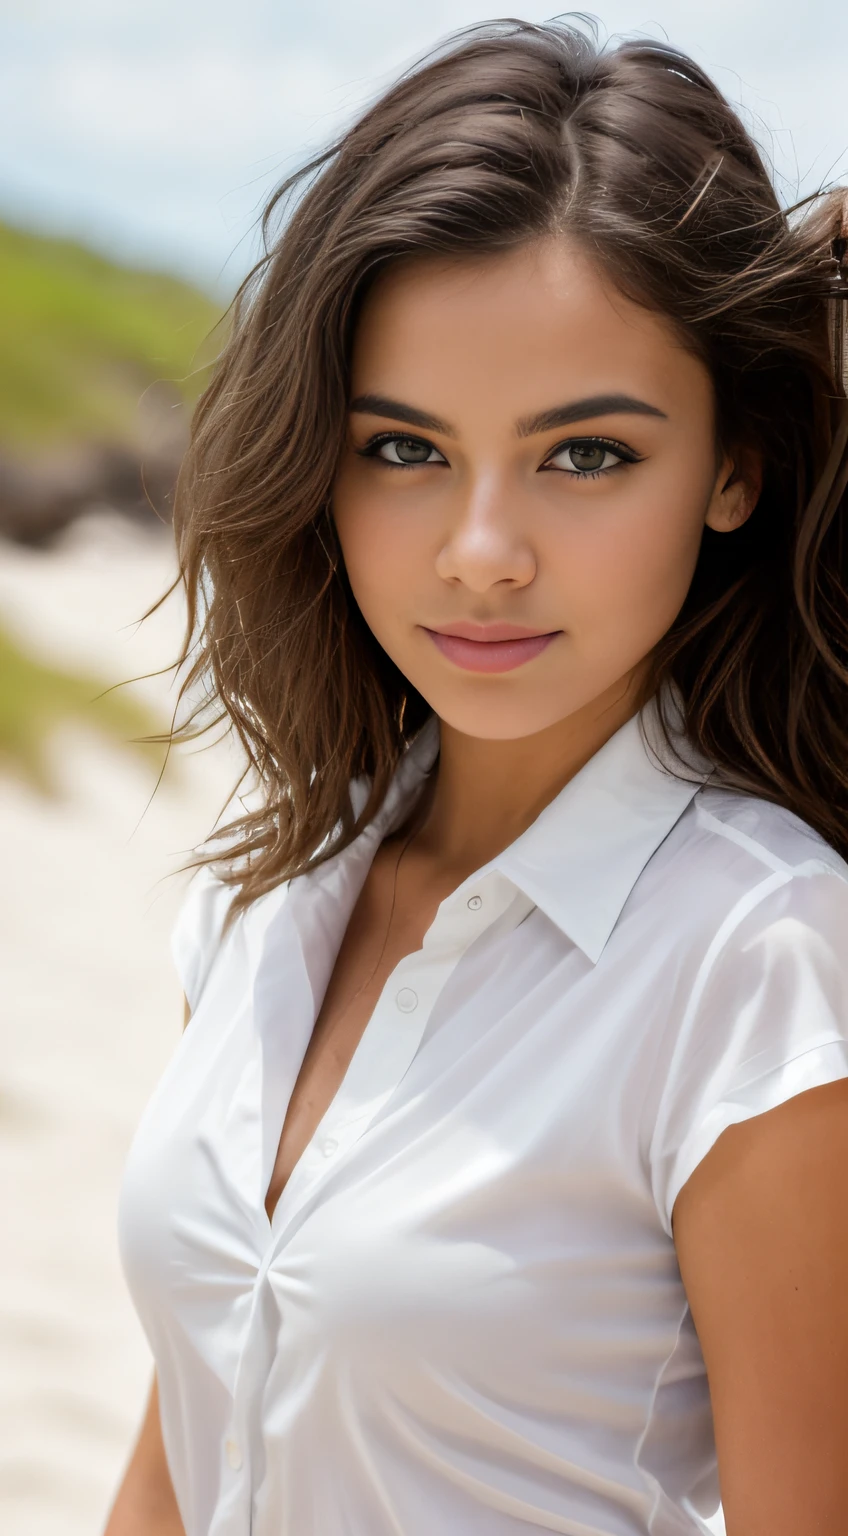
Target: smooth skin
473	487
145	1504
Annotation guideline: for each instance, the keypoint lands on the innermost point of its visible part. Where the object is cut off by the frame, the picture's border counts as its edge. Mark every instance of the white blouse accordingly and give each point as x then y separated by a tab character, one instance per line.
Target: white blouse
466	1316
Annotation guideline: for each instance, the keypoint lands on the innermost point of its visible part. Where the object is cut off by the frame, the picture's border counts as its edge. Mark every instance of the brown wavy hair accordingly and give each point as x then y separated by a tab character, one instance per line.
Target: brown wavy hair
508	132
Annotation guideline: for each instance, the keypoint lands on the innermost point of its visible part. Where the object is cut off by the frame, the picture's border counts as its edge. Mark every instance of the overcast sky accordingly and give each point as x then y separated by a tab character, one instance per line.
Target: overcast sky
154	129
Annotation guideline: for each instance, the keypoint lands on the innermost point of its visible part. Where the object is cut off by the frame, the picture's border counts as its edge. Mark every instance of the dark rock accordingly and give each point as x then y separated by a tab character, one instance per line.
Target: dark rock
42	493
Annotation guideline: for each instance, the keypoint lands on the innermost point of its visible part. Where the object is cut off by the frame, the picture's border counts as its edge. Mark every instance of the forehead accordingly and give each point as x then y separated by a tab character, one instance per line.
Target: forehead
540	319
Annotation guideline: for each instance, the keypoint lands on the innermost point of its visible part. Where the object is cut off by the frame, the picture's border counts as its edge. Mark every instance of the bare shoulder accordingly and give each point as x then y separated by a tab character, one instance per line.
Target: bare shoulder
761	1232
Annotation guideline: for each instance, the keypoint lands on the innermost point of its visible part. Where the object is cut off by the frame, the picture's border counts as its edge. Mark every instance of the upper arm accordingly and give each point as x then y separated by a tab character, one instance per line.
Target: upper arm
186	1010
761	1232
145	1501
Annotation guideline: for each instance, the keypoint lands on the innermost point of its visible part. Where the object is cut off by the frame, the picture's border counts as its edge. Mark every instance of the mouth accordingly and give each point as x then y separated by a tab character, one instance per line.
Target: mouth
490	647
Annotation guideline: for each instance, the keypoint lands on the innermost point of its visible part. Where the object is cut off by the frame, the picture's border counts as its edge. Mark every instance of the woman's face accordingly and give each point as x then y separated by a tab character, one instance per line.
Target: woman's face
529	465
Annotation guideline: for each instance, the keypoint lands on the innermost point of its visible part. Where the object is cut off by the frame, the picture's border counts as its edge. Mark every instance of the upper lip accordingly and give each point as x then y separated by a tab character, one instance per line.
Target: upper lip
462	629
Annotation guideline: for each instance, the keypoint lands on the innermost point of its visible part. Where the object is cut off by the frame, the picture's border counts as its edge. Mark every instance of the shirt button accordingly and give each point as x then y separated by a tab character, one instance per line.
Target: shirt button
233	1451
407	1000
330	1146
474	903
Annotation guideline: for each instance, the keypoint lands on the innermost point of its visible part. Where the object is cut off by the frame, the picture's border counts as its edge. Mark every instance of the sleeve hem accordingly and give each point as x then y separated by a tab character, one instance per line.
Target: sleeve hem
825	1062
196	932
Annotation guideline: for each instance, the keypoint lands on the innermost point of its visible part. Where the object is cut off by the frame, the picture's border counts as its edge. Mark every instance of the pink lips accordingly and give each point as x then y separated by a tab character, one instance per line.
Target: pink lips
490	647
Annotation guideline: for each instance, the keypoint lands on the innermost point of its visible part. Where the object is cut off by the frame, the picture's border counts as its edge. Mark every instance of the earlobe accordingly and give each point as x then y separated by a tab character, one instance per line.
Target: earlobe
731	511
740	509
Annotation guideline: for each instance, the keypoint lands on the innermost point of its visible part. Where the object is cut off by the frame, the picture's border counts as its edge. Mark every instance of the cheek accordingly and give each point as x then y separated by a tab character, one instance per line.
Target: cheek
387	553
631	571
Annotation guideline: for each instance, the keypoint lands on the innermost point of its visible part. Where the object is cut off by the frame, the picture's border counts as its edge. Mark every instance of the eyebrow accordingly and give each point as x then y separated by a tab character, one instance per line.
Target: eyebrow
583	410
381	405
529	426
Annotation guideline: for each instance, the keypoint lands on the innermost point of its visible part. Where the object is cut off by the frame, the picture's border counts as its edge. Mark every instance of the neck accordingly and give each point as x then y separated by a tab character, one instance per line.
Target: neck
486	793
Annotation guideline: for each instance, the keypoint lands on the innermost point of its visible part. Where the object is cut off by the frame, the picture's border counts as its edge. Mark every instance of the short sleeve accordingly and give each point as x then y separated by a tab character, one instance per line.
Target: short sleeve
767	1019
196	934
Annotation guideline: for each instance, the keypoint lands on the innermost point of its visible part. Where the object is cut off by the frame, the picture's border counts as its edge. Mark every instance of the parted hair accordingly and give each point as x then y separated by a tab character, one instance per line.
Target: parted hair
505	133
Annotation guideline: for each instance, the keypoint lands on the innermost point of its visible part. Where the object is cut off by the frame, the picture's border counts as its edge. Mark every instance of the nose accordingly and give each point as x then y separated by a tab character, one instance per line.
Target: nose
487	544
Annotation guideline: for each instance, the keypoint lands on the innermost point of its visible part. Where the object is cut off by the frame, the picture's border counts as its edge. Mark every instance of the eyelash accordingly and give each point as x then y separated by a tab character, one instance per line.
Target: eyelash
626	455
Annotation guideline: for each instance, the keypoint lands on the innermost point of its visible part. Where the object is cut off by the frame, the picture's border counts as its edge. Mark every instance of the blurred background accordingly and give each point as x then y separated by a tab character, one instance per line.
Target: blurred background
138	142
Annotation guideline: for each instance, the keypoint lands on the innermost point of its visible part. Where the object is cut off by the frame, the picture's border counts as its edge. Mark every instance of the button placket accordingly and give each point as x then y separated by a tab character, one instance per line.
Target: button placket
390	1042
236	1495
386	1050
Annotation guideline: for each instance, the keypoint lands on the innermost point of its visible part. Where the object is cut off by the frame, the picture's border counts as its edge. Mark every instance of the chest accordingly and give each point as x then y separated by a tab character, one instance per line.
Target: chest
387	923
495	1091
470	1208
466	1246
471	1221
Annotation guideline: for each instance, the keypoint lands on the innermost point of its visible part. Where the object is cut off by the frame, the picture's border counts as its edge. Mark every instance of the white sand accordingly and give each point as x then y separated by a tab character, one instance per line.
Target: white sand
90	1011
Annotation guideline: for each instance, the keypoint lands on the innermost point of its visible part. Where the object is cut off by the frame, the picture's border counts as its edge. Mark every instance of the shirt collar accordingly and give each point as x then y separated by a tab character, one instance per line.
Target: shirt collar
582	856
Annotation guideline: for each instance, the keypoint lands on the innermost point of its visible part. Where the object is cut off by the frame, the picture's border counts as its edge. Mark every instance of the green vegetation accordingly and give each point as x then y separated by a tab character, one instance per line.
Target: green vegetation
81	338
35	698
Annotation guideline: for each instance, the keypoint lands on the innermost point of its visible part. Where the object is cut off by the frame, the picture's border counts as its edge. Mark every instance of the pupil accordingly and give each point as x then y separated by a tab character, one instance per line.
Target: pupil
587	455
410	451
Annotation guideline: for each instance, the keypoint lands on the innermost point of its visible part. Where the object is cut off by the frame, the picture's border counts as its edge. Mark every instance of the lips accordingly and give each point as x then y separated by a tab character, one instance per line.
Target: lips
490	647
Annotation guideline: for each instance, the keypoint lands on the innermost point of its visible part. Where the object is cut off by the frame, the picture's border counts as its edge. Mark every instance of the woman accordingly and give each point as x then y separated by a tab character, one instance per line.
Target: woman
499	1181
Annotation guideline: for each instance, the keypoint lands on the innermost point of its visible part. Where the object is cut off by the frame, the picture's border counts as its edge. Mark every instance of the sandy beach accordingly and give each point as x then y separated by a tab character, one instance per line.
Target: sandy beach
91	1009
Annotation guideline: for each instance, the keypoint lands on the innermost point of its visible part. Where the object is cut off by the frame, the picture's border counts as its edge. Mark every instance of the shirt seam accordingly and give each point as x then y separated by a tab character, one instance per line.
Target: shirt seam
658	1491
760	852
732	834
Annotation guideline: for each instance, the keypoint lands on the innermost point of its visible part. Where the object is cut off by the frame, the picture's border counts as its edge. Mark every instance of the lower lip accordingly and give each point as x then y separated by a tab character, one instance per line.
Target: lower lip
490	655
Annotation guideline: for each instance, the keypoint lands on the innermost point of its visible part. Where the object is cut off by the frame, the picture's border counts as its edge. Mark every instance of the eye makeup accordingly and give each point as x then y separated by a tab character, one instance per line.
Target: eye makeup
419	453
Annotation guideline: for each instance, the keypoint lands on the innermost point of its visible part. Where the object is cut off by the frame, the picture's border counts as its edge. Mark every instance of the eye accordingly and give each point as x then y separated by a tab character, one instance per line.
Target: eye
392	448
587	457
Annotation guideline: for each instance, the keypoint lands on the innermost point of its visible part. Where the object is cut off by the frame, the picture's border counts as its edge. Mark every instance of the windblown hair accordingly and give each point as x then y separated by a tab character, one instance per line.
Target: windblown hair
509	132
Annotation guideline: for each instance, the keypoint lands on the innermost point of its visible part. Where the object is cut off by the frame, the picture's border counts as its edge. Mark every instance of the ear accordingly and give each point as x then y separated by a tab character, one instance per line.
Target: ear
736	490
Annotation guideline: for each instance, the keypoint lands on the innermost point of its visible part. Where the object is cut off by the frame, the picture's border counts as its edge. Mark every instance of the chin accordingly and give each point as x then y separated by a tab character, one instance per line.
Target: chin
498	717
